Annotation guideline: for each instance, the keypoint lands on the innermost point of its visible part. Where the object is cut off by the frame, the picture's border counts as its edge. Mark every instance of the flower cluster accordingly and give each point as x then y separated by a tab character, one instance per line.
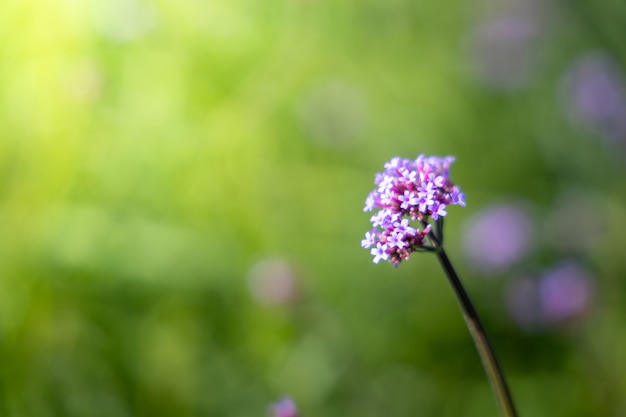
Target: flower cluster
408	189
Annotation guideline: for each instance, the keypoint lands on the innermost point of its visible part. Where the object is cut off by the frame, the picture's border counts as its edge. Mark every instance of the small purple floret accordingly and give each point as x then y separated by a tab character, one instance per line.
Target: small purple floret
438	209
369	241
369	203
379	252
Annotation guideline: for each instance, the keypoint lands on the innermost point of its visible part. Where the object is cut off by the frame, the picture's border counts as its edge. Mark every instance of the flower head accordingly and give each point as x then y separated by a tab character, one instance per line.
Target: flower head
285	407
408	190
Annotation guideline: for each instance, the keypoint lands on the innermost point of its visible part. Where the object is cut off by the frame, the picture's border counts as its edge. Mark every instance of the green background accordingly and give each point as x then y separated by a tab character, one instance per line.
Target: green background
153	152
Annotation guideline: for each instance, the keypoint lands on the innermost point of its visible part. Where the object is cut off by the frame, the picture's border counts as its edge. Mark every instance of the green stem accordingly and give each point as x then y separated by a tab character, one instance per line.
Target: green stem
485	350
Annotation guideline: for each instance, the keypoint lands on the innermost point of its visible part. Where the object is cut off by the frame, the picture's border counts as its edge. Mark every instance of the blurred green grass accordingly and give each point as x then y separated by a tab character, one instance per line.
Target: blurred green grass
153	152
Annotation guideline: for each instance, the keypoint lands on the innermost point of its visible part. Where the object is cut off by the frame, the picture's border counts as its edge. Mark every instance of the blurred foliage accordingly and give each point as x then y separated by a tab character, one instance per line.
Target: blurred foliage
153	152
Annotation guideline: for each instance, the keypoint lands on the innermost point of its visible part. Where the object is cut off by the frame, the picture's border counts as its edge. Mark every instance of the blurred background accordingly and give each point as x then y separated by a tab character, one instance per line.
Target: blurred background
181	194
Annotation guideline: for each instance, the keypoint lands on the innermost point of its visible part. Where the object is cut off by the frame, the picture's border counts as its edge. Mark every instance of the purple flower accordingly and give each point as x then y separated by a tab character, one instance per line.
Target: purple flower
426	196
370	240
593	93
404	228
565	292
408	176
458	197
383	218
556	296
502	47
396	240
408	199
416	190
386	184
427	189
370	201
499	236
438	209
393	163
283	408
438	181
379	252
386	198
379	218
502	54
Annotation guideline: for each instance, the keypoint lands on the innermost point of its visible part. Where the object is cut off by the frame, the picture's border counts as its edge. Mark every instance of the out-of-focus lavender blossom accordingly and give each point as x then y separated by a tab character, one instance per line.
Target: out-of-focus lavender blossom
285	407
498	237
501	47
593	94
557	296
501	52
565	292
273	282
418	190
576	223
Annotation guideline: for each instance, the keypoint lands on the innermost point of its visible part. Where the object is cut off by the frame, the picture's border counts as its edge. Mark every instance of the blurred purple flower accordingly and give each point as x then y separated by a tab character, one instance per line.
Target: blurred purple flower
273	282
501	53
502	47
556	296
498	237
565	292
285	407
593	93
